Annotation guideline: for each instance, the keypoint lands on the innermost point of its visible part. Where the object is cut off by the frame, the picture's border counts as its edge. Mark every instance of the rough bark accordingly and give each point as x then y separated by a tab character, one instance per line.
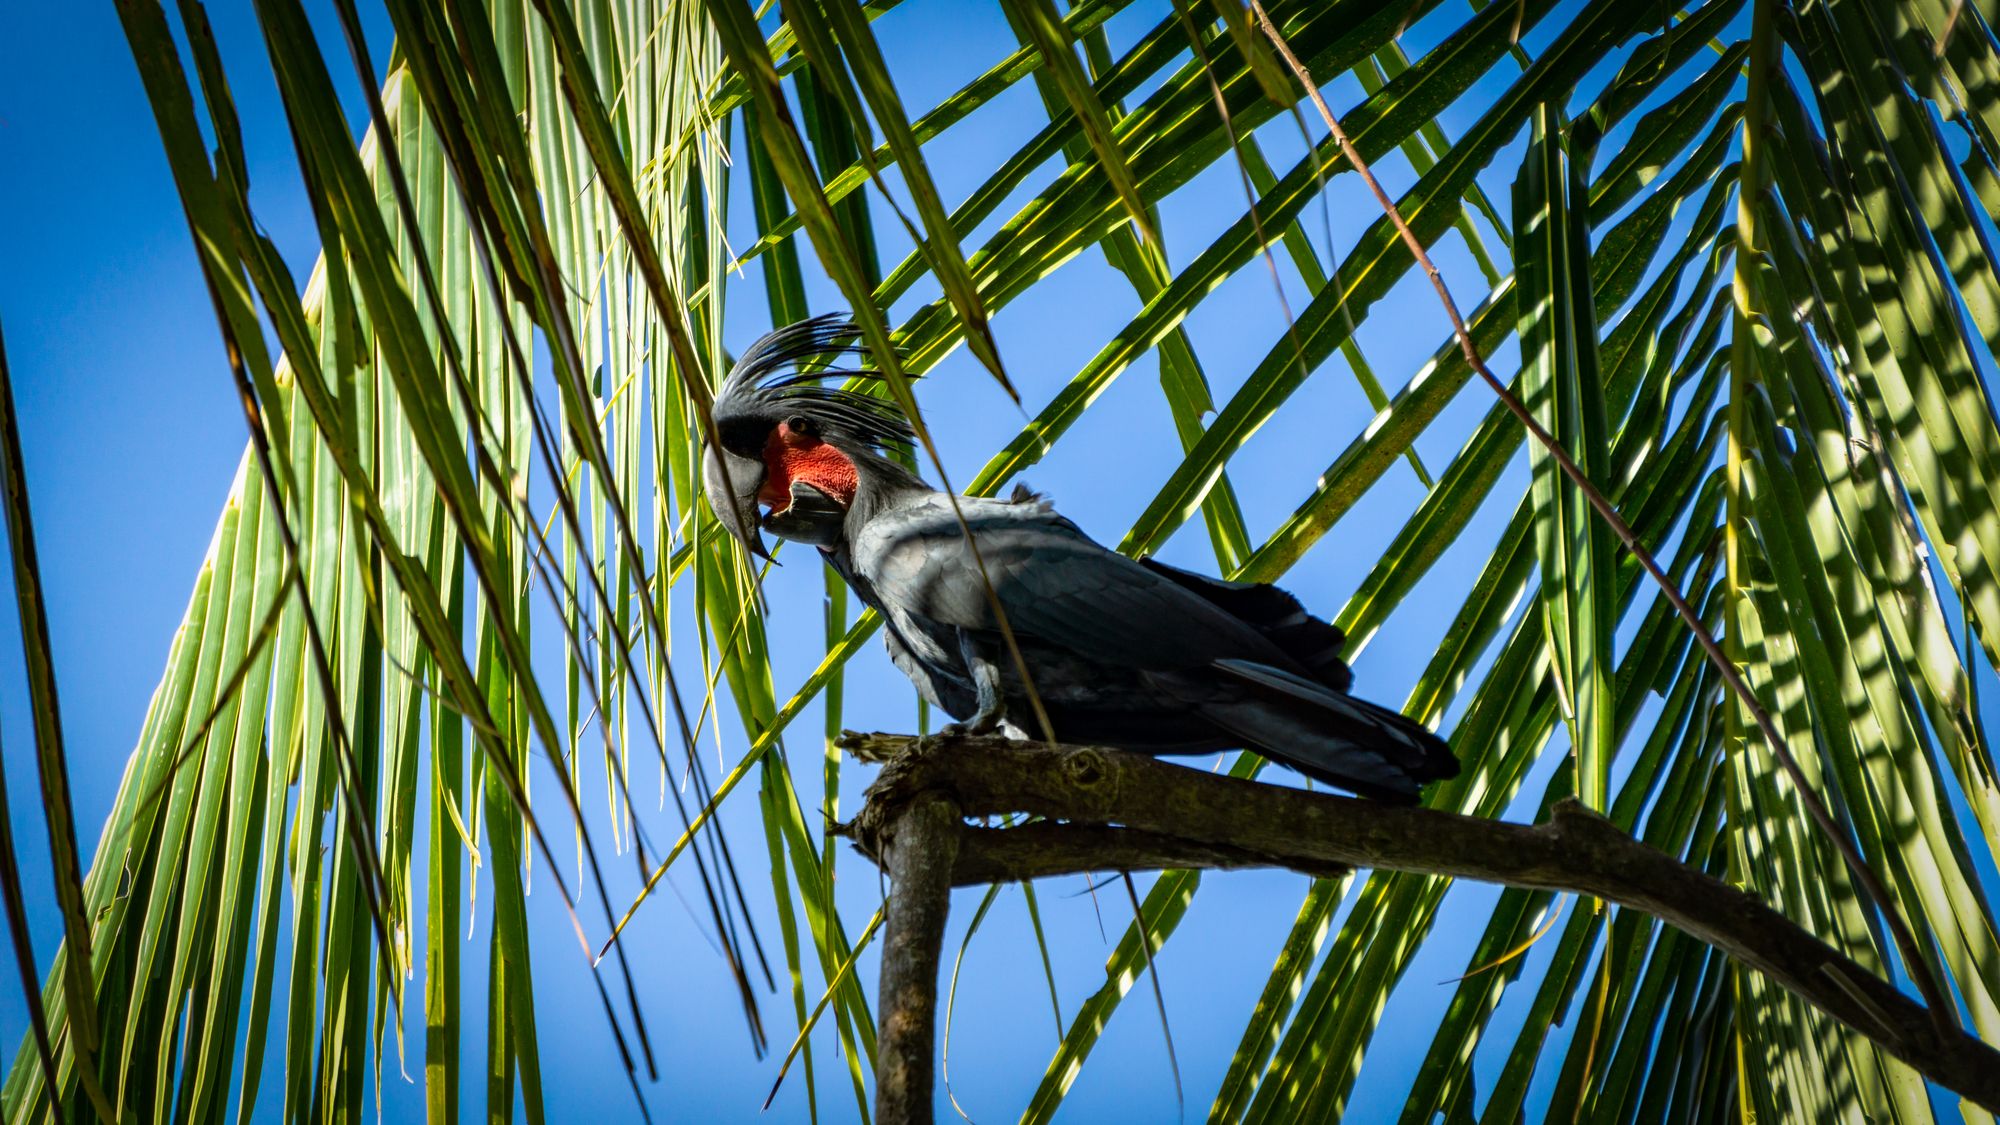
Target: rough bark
921	842
1105	810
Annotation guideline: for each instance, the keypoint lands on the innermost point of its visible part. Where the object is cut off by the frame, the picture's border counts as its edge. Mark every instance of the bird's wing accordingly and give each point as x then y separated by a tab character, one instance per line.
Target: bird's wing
1313	643
1059	586
949	695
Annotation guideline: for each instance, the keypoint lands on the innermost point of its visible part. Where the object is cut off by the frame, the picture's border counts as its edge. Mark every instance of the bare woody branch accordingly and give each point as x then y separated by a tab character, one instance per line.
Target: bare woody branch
1109	810
921	845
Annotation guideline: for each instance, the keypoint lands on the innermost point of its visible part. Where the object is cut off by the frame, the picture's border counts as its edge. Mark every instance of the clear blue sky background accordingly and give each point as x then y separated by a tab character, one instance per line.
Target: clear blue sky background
132	436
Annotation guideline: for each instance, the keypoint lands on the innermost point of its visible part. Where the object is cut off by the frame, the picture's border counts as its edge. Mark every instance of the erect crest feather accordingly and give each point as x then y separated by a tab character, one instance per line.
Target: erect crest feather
782	372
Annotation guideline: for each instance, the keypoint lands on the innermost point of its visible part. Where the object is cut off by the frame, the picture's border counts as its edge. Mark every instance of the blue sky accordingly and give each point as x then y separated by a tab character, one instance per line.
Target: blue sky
132	435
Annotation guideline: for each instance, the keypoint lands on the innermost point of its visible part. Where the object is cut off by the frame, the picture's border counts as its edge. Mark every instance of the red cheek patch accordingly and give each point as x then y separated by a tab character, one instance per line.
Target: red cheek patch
791	456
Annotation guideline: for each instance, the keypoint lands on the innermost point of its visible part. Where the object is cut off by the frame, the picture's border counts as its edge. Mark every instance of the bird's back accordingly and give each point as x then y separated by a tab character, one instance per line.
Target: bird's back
1052	581
1125	652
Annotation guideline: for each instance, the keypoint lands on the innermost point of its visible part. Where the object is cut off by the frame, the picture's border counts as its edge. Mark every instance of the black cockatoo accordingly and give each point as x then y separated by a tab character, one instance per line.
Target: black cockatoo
1120	652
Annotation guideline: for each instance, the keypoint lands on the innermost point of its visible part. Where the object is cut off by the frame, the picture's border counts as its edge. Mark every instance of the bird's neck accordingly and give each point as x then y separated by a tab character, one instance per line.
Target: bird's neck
881	485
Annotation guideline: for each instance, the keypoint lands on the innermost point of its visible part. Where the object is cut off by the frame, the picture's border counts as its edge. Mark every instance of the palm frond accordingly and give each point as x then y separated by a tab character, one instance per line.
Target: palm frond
465	556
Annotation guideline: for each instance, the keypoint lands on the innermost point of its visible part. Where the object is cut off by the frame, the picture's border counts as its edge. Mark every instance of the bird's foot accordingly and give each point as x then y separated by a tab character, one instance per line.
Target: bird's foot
976	726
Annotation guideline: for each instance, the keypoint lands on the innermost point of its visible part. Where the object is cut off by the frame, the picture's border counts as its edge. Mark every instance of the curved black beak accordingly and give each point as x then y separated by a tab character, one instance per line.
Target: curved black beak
731	483
811	517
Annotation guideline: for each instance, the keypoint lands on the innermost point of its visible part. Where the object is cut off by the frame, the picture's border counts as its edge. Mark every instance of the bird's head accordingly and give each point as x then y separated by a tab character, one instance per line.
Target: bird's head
789	446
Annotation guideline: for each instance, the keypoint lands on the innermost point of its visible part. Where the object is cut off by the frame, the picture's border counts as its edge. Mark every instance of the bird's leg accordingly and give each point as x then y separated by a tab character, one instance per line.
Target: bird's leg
985	673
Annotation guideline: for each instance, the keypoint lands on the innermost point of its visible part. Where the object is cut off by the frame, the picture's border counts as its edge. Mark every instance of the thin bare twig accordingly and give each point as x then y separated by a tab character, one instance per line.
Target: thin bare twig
1914	963
1950	22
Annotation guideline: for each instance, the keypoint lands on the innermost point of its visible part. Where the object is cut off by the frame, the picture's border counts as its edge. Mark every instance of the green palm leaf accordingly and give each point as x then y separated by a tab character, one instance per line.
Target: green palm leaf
526	262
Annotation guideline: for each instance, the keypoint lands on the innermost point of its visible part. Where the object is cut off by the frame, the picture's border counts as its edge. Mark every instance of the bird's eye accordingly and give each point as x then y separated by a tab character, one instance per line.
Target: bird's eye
802	425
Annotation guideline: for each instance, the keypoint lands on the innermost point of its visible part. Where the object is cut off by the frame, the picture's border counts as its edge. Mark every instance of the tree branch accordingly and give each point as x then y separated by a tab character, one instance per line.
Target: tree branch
1118	811
1042	849
921	841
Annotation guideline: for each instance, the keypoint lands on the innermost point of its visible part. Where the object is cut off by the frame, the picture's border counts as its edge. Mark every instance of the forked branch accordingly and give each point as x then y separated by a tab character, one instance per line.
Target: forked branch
1107	810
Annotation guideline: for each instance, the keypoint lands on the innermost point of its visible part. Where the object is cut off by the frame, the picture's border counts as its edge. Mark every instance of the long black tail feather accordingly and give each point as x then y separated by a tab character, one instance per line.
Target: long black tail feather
1331	736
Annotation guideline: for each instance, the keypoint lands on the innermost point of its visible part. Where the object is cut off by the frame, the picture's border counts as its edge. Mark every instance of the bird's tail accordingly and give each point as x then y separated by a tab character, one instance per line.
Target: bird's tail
1331	736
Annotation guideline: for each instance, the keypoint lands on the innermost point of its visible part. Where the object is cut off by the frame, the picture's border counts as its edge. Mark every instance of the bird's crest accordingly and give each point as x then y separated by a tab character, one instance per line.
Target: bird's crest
783	369
1022	494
